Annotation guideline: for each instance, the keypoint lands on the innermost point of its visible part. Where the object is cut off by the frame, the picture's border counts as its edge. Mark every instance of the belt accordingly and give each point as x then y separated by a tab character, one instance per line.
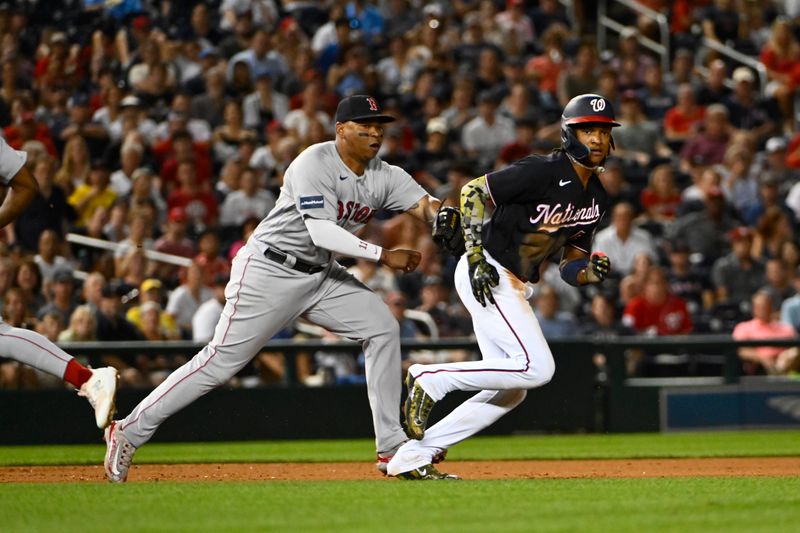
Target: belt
292	262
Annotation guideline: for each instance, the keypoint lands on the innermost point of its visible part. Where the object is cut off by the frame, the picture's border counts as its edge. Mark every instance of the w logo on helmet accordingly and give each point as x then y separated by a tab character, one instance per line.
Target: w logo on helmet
598	104
373	105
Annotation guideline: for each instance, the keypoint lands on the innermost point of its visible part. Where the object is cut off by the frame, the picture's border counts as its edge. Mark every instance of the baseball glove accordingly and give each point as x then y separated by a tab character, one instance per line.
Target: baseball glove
447	230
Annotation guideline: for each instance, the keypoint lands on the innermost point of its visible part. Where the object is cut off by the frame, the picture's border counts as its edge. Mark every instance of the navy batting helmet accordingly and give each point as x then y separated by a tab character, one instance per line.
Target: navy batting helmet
584	109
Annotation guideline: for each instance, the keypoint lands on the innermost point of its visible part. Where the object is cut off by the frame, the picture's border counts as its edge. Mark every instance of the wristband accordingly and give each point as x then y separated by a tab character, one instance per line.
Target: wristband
570	271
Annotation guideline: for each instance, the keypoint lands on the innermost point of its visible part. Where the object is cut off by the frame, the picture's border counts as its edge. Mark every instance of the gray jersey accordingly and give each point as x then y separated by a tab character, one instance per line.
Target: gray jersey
10	161
319	185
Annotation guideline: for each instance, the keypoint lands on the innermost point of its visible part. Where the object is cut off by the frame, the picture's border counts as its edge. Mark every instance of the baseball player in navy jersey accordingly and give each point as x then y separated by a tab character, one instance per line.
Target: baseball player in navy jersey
287	270
98	386
542	204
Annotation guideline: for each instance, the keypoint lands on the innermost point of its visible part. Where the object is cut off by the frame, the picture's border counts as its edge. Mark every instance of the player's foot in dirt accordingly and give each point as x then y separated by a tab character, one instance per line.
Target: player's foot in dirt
417	409
119	454
382	462
426	472
101	391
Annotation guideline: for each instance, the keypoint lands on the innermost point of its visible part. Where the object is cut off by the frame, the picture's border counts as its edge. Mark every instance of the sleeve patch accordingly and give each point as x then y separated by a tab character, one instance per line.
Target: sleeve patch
312	202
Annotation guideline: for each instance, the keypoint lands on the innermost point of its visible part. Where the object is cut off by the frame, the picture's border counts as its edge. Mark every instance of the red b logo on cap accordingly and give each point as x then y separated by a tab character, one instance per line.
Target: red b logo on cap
373	105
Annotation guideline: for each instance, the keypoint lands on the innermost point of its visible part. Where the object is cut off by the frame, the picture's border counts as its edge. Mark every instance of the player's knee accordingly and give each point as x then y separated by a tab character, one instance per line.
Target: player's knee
385	325
512	398
541	371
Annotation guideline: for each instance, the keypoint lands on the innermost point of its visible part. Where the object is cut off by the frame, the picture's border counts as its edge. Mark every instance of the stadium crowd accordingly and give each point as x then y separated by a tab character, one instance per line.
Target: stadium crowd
166	126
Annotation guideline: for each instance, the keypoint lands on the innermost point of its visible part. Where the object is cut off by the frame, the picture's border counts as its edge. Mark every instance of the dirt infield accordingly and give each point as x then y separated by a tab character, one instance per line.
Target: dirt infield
628	468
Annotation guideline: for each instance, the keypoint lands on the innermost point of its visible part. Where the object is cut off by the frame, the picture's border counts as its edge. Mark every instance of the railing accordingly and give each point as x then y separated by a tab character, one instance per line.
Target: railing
101	244
614	350
732	54
604	22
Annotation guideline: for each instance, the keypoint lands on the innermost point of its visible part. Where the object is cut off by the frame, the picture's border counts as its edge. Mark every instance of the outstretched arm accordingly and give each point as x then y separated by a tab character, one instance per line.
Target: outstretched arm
328	235
425	210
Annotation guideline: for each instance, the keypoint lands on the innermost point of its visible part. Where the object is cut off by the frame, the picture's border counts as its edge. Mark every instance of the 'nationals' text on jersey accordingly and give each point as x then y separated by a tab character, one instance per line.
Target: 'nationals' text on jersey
540	207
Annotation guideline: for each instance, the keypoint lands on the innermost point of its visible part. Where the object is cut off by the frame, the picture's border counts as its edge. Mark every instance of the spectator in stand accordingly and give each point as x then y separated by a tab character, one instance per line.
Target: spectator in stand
144	192
779	281
377	277
150	291
631	51
713	90
250	200
622	242
555	324
704	230
661	197
82	326
199	205
60	293
181	149
48	210
227	137
484	136
80	123
545	69
750	112
773	229
518	104
764	325
48	257
205	319
92	195
738	183
790	308
769	199
434	158
681	71
773	159
581	76
92	290
111	322
737	275
138	238
781	57
657	312
209	105
27	128
720	22
616	186
656	98
15	311
680	120
174	242
75	165
638	140
523	145
187	297
713	140
264	105
209	258
689	282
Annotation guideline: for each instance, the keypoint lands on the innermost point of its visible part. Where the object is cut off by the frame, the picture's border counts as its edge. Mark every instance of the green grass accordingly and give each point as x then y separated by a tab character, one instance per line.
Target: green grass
616	446
635	505
728	504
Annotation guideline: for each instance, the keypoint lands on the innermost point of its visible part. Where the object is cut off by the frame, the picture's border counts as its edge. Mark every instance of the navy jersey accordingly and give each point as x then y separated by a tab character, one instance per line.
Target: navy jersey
541	206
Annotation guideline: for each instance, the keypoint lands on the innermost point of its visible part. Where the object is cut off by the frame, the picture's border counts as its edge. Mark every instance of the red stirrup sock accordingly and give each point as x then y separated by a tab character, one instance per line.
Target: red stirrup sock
76	373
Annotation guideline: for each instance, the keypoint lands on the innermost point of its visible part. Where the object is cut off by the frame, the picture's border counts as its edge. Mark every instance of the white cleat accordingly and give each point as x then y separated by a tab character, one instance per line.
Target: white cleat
119	454
101	391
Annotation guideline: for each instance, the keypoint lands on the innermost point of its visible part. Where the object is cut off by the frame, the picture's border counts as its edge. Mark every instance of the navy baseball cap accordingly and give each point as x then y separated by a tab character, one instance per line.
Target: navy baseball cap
360	107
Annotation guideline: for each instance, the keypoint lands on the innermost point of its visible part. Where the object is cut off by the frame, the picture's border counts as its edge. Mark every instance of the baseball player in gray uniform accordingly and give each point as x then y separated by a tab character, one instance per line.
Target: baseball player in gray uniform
287	270
28	347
